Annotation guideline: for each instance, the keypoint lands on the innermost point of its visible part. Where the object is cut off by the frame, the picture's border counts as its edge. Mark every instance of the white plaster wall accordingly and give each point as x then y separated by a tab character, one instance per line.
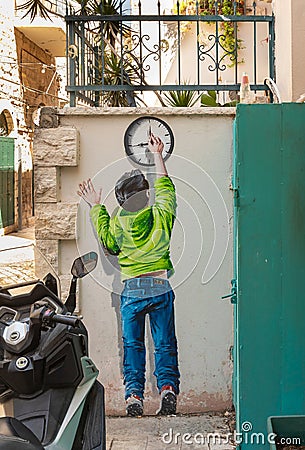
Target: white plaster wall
298	54
204	322
283	48
289	48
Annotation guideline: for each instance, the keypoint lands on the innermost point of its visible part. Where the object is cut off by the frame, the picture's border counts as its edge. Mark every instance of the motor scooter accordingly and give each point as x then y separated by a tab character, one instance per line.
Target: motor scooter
50	398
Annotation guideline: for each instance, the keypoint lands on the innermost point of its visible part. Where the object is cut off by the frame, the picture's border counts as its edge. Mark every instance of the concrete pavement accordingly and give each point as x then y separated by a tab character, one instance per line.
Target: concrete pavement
205	432
19	237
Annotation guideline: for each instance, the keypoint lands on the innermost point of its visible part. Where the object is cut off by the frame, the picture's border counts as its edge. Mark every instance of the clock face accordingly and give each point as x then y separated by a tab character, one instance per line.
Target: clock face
137	136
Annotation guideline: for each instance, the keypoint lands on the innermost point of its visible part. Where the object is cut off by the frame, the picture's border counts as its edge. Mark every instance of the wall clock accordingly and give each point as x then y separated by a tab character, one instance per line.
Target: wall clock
137	135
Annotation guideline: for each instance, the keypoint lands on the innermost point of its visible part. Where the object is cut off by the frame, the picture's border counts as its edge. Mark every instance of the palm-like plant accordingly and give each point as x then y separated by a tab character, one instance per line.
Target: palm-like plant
111	30
181	98
34	8
46	8
117	72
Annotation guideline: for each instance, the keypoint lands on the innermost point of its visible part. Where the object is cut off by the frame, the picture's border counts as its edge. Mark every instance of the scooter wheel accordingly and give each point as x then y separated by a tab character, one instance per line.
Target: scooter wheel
91	432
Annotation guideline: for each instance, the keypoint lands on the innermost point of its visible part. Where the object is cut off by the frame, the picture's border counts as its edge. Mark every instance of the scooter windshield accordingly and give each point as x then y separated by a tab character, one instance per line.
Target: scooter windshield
23	266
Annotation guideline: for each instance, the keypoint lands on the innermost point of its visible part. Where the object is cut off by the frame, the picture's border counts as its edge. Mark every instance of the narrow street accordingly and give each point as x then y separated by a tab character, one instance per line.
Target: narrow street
17	265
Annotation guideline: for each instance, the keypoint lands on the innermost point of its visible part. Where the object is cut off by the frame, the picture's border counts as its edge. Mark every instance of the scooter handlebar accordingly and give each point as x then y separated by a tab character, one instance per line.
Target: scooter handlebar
73	321
43	314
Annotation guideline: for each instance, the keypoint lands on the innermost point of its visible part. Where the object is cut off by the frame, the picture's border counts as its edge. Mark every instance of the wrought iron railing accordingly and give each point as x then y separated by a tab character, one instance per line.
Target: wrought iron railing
116	56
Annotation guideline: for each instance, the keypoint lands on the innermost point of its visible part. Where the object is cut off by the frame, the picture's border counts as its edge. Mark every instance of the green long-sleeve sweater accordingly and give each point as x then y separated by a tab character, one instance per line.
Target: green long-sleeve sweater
141	239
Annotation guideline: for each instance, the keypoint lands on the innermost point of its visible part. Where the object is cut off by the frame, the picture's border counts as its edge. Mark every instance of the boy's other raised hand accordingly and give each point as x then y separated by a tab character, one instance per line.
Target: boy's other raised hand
88	193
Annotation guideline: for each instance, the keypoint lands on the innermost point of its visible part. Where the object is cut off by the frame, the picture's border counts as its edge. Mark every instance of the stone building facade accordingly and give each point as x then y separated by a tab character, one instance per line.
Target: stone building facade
28	80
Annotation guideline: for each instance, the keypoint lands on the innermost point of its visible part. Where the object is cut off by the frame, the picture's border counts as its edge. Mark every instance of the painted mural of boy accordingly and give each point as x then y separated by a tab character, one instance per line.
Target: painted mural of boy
140	234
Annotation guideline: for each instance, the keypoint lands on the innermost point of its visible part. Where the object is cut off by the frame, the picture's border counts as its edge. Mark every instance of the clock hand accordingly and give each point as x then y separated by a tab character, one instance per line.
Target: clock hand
142	144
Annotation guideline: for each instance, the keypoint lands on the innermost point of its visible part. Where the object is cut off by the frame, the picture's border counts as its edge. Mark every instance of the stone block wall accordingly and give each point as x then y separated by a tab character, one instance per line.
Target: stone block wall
54	147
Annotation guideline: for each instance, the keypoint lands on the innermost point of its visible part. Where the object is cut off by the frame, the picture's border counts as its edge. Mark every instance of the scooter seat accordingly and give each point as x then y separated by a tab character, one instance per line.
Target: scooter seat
16	436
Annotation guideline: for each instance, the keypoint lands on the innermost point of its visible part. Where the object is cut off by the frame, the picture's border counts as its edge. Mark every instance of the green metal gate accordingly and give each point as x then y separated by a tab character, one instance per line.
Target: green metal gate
7	182
269	209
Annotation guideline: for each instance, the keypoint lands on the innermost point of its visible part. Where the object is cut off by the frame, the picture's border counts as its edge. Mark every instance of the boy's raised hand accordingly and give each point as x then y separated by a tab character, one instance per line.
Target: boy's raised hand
88	193
155	144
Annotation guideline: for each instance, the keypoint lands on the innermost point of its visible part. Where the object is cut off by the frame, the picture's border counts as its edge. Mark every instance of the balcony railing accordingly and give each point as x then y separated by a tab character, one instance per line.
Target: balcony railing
116	57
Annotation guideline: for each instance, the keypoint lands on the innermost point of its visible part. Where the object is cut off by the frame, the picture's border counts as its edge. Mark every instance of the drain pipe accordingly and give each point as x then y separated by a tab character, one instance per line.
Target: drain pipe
269	82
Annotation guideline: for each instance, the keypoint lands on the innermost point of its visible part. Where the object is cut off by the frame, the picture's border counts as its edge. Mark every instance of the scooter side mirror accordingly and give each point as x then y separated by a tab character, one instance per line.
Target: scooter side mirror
84	265
81	267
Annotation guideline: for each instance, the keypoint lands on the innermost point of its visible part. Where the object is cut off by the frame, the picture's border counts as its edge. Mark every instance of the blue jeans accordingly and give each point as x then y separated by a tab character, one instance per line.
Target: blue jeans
152	296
